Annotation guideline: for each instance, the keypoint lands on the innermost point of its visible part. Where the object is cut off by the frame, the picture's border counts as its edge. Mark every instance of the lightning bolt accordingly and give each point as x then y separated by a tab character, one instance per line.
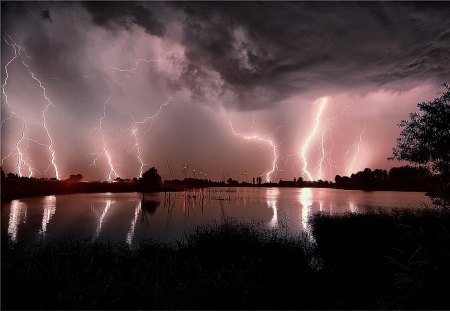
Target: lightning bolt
5	96
134	129
18	53
356	155
138	150
322	158
325	140
44	118
105	151
323	102
21	160
267	142
131	70
147	124
328	128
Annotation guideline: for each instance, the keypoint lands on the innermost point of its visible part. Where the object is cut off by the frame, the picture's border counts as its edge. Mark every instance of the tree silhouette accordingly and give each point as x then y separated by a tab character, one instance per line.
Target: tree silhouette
12	176
425	140
150	178
77	177
232	182
398	178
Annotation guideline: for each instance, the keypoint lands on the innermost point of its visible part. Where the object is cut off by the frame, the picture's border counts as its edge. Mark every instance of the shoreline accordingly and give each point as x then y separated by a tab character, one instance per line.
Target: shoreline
21	190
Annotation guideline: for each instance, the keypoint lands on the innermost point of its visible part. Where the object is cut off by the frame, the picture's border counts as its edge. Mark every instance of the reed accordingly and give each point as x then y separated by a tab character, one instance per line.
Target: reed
376	261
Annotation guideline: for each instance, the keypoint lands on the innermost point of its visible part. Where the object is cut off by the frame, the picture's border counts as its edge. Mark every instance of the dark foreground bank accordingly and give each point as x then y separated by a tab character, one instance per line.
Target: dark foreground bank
377	261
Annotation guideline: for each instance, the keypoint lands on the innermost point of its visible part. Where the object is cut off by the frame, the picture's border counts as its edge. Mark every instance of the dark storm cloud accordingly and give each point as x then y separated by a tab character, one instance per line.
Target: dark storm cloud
45	14
264	52
54	38
243	55
54	53
112	14
16	8
295	47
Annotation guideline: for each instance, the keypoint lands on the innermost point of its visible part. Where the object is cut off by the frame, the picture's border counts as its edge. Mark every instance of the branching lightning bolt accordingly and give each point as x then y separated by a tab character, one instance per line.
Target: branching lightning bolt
21	160
44	122
18	52
325	158
312	134
322	148
105	150
5	102
328	127
137	64
134	139
356	155
267	142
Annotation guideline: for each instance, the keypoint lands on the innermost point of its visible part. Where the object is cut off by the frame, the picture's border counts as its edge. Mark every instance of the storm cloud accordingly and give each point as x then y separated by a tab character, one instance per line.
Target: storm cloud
267	51
257	64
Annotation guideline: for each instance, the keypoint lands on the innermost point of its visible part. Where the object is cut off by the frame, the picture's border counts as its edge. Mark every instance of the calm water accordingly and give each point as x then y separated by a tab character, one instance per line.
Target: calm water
123	216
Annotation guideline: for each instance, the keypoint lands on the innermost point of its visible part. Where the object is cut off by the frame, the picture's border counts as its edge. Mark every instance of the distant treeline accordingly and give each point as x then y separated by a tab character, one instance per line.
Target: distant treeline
407	178
403	178
14	186
28	187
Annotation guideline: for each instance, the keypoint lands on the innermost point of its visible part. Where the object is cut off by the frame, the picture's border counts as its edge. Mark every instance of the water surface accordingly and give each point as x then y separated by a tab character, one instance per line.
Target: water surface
168	216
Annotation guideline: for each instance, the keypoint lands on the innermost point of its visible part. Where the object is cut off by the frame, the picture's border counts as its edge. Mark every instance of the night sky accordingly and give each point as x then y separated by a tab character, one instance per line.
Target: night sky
231	89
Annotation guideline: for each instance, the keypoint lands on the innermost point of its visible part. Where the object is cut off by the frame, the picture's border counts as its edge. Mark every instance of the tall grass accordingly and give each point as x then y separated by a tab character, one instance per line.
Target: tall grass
397	260
374	261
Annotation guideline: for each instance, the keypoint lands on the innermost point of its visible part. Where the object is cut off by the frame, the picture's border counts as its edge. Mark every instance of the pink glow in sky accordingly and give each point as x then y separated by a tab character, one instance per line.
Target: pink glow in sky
177	74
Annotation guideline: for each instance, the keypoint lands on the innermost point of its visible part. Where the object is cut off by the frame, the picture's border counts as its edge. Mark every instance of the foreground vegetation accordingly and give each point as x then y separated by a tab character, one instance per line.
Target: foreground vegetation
376	261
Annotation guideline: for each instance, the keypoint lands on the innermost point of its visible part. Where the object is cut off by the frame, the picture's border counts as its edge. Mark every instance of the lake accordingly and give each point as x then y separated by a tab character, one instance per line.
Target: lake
170	216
